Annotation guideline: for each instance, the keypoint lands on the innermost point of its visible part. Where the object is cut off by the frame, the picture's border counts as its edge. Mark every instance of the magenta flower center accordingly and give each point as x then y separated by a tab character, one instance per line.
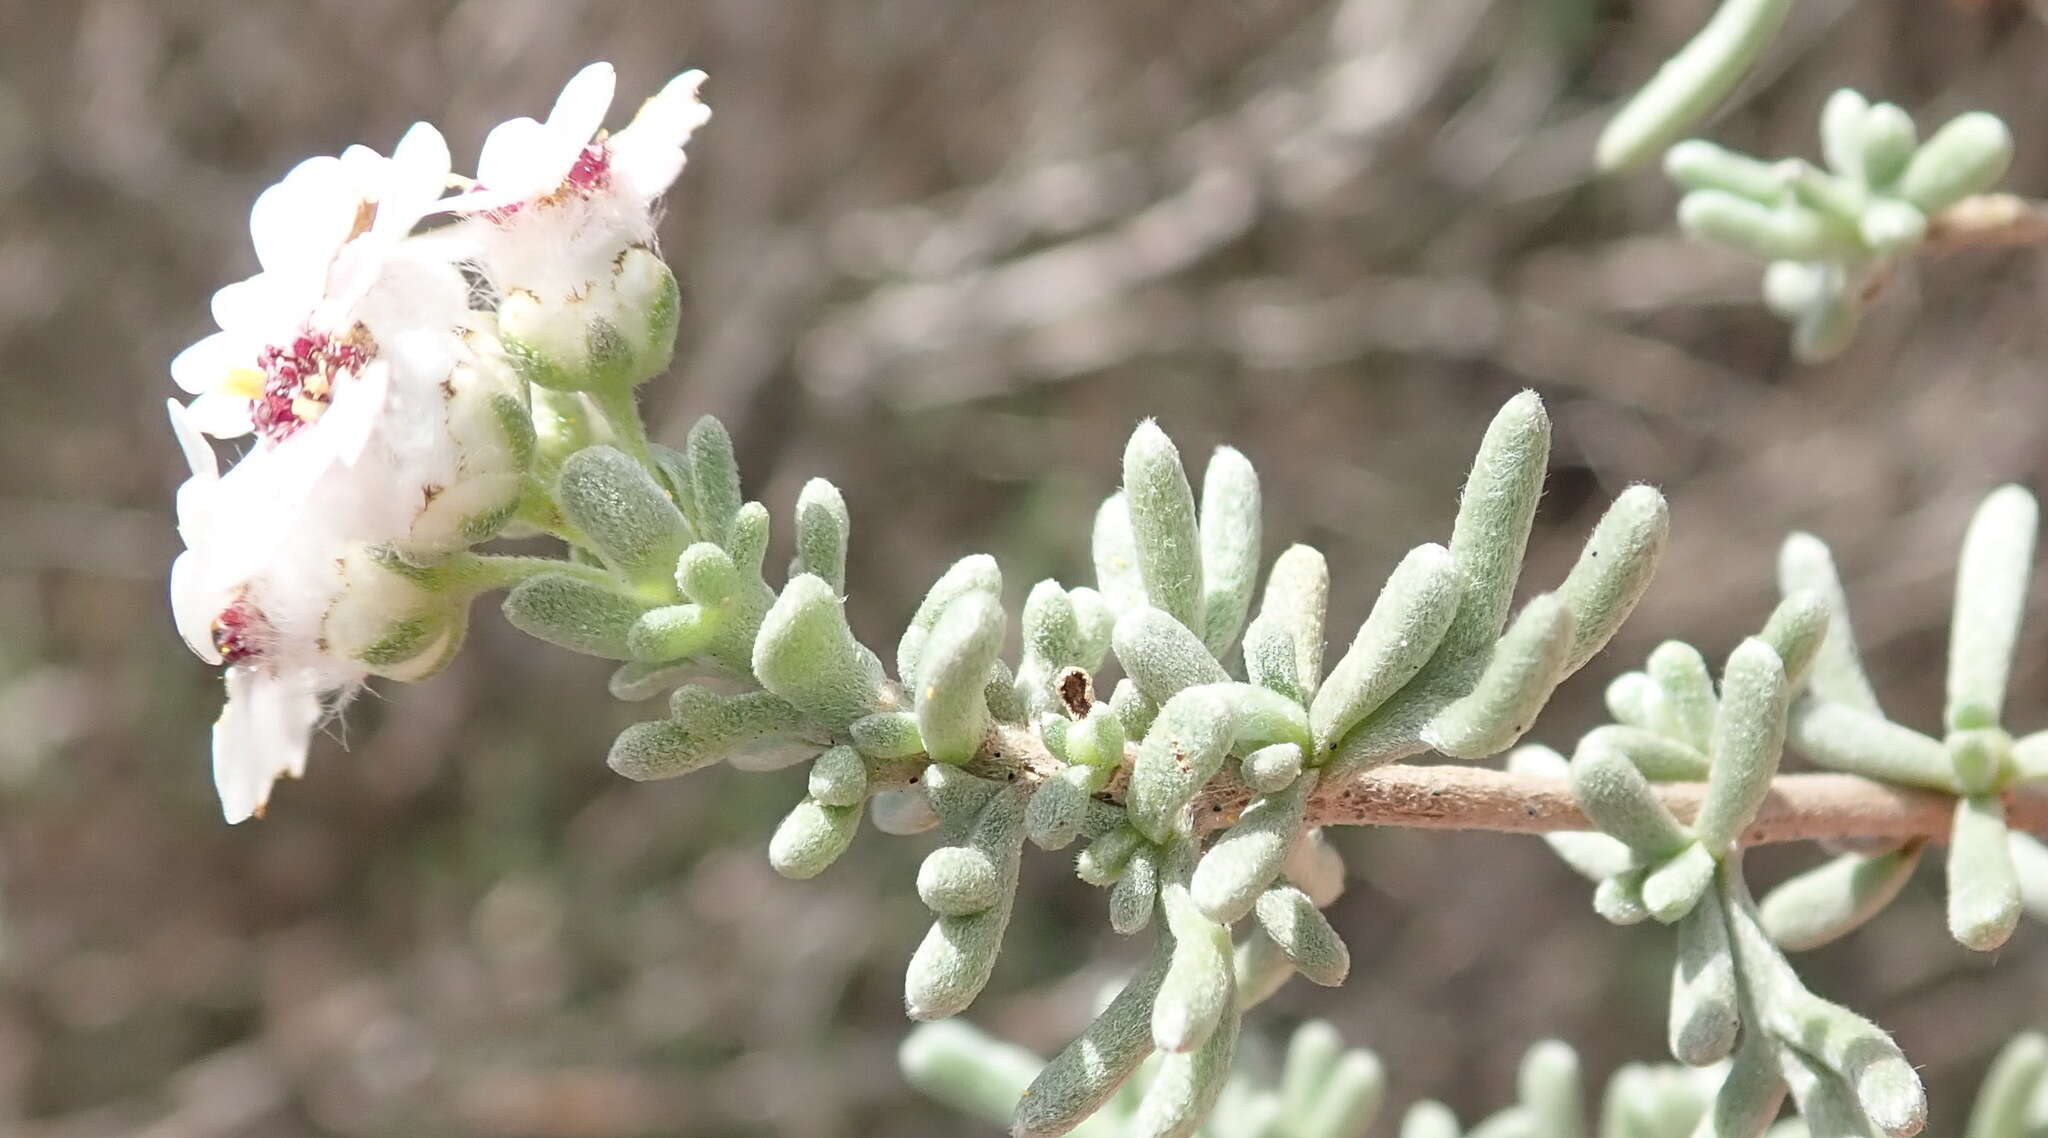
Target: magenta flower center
299	379
237	632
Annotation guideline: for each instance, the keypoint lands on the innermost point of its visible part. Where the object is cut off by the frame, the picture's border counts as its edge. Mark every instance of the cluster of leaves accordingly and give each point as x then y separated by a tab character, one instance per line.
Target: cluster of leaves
1833	236
1734	996
995	755
1324	1091
1320	1090
1993	873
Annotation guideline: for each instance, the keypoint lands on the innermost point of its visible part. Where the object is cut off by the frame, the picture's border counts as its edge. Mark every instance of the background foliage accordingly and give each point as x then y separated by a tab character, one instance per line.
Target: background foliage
944	255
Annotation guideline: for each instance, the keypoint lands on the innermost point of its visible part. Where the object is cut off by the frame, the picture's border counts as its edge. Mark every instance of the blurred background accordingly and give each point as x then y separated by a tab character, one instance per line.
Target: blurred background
944	254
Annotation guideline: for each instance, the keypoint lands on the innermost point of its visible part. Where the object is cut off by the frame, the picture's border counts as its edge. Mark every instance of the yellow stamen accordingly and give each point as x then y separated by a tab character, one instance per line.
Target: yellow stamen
246	382
308	409
314	385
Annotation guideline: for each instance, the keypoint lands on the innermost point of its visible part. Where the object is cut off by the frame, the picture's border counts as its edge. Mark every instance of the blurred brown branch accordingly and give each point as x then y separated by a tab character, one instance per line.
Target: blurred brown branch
1988	221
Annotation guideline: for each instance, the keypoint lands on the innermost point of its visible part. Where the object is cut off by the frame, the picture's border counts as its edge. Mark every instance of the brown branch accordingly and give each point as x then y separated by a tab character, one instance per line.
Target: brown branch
1801	807
1988	221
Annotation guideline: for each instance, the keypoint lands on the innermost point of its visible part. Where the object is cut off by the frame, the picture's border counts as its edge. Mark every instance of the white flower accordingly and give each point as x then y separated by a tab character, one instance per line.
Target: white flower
562	225
279	584
527	164
386	419
322	236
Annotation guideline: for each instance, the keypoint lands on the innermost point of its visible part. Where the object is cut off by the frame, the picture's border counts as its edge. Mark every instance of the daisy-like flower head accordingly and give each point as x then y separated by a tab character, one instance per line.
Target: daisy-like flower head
322	236
562	225
569	158
386	418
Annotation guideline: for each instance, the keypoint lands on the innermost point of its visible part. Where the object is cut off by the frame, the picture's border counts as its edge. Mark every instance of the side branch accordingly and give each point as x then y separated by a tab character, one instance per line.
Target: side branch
1801	807
1988	221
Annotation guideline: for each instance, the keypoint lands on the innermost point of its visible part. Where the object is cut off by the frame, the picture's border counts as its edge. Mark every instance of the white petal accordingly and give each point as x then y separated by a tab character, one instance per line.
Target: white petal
220	414
194	605
263	733
263	307
648	154
298	223
516	162
205	364
580	109
199	456
416	177
357	407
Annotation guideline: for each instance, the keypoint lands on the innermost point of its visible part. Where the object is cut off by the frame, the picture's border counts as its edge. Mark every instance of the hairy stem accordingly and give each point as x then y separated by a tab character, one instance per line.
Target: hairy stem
1801	807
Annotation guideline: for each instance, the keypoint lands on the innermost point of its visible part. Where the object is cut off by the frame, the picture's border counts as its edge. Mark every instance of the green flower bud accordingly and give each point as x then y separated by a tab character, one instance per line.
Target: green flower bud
618	331
493	432
385	619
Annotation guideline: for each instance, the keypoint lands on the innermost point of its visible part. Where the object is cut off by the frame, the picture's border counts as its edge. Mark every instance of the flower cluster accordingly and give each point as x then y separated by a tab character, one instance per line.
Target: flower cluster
379	365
